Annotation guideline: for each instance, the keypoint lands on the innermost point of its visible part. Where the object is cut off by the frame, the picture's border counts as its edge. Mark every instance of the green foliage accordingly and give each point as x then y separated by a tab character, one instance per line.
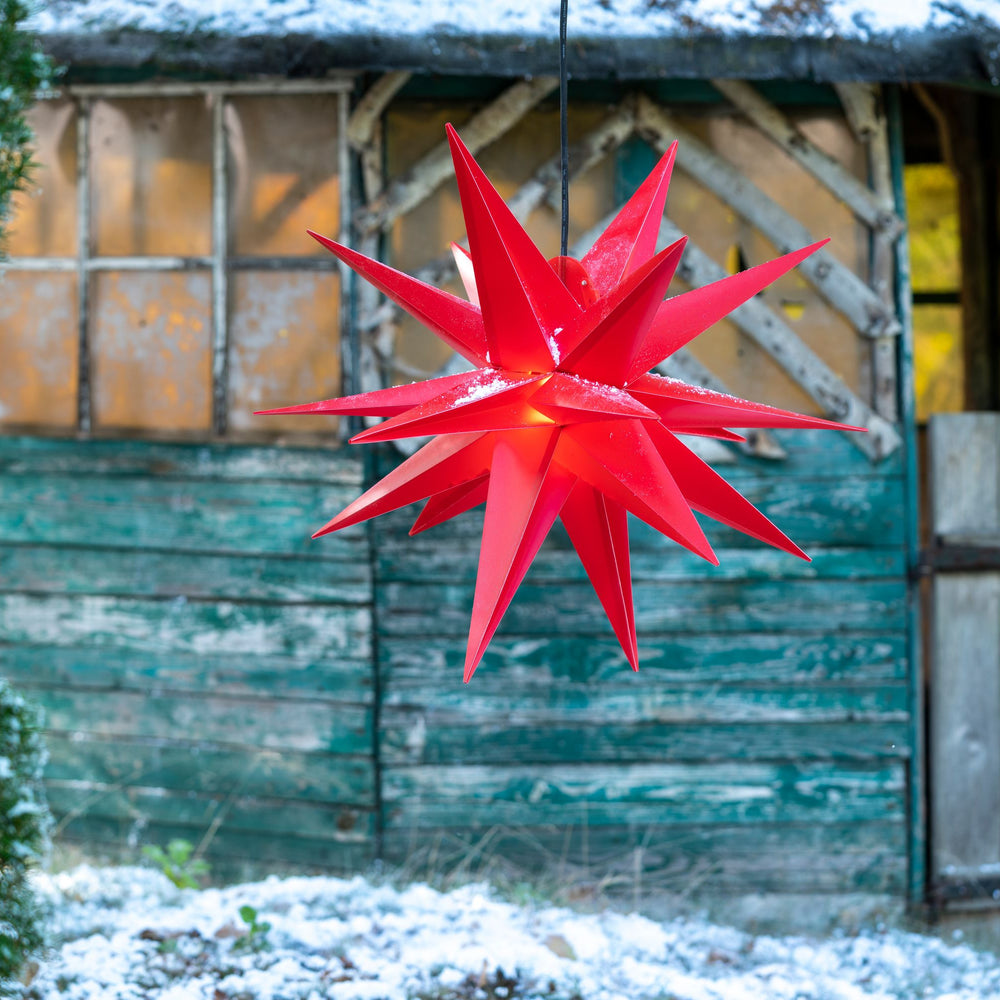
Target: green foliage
24	69
24	828
177	863
255	938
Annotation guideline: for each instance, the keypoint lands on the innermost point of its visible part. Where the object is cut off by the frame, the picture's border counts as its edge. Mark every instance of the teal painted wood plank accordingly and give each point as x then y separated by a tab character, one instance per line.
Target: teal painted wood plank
197	766
658	858
419	737
497	698
235	855
809	453
176	515
433	609
275	817
603	794
339	678
830	511
26	456
258	724
225	627
441	563
44	569
707	658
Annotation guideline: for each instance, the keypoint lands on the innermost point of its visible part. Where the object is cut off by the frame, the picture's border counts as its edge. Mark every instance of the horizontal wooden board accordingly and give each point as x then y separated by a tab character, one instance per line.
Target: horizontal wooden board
176	515
706	658
436	609
33	457
277	817
336	678
197	766
260	723
46	569
632	700
838	511
234	855
807	453
602	794
432	560
862	857
204	628
418	738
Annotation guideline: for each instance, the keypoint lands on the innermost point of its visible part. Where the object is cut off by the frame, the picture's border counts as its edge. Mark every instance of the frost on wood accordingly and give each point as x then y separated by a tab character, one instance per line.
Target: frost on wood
824	19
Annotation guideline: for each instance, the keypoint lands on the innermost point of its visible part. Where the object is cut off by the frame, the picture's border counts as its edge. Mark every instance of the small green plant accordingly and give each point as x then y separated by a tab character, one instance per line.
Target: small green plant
177	863
24	829
255	938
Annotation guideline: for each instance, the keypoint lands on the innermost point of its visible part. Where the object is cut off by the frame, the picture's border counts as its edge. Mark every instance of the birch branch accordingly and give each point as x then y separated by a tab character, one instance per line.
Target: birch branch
871	209
839	285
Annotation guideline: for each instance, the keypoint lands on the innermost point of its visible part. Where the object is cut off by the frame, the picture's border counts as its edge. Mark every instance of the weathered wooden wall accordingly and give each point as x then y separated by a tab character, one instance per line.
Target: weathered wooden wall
204	667
762	745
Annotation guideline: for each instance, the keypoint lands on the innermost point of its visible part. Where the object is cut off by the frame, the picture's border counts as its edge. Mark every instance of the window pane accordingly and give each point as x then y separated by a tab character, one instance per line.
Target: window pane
284	348
38	349
939	374
283	173
152	176
151	351
932	208
43	223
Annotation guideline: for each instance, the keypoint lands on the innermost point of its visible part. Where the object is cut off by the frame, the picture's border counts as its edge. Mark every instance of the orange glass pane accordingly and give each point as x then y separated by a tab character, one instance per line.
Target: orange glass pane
283	170
152	176
151	351
38	349
284	348
43	220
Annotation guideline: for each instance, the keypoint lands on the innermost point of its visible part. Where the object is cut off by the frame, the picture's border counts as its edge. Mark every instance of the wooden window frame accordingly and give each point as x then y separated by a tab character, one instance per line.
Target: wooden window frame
220	262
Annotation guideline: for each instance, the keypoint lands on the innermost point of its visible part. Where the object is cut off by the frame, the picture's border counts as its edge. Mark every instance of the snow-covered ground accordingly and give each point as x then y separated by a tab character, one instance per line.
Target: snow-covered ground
128	933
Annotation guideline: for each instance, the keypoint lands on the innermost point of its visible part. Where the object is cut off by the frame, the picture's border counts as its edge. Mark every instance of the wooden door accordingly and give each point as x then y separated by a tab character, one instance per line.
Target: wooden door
964	681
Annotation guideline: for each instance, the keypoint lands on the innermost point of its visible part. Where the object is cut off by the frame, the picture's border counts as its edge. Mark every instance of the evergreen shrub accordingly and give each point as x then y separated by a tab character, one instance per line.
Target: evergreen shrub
24	70
24	828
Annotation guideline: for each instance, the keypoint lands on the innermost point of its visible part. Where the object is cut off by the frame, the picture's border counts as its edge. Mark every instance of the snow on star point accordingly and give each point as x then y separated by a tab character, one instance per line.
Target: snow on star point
560	418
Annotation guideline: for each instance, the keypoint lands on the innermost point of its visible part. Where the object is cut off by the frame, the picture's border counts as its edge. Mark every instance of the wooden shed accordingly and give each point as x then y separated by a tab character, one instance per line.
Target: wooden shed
208	672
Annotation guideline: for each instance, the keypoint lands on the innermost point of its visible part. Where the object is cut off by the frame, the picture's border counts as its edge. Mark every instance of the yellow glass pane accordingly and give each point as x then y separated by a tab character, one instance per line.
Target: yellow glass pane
932	210
284	348
152	176
426	231
38	349
43	220
151	351
283	173
938	367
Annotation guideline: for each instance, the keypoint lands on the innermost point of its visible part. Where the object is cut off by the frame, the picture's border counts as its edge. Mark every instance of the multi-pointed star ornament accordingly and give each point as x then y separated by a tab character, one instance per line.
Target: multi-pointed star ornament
560	417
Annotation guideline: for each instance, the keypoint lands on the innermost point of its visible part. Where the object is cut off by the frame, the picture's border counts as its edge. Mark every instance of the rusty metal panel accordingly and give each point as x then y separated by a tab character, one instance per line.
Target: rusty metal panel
284	348
38	357
151	340
152	176
283	173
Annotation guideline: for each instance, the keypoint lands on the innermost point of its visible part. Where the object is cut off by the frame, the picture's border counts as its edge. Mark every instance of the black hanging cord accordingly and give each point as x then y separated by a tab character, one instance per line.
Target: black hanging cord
563	127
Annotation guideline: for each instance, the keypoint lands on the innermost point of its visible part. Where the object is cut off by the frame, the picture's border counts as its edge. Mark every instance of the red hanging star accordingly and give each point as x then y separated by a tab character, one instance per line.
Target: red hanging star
560	417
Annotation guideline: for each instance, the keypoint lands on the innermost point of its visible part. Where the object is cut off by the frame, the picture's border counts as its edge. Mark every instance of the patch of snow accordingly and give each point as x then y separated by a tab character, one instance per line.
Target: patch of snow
484	387
127	933
554	345
612	18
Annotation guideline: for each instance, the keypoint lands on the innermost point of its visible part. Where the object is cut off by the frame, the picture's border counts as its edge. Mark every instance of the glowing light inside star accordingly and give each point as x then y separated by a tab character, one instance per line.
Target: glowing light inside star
561	417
